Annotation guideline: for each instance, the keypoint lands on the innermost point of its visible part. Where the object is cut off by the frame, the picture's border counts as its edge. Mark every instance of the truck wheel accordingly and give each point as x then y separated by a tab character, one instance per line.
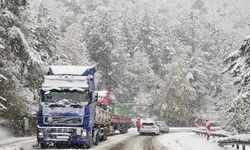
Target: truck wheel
126	130
43	145
90	145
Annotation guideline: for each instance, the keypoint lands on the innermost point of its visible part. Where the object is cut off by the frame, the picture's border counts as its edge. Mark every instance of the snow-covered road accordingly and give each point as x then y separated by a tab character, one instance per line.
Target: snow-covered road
177	139
29	143
137	143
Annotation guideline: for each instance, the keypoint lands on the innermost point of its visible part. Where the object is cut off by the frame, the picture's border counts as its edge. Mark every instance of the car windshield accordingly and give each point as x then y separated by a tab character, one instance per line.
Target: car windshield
65	96
160	123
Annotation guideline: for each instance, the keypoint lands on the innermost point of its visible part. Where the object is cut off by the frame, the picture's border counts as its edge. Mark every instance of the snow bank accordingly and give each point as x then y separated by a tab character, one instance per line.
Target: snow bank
239	137
186	141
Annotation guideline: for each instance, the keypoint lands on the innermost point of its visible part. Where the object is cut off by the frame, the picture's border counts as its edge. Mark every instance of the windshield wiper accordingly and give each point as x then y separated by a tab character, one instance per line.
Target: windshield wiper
76	105
56	105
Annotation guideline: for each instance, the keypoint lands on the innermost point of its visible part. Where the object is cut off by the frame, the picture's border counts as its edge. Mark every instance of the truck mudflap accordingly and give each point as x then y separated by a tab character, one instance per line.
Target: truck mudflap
53	136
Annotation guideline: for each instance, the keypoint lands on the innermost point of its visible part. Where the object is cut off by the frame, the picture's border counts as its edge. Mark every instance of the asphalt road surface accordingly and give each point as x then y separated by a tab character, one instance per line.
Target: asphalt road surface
138	143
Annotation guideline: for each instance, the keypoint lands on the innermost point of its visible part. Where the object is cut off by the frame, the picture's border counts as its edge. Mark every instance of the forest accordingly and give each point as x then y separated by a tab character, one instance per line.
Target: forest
177	60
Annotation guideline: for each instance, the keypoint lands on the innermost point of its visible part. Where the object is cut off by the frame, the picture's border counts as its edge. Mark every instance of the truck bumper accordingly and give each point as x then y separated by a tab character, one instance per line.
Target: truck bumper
52	142
52	136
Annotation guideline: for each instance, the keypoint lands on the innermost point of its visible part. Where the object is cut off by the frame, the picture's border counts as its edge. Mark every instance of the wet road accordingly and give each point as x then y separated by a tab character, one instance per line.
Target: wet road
139	143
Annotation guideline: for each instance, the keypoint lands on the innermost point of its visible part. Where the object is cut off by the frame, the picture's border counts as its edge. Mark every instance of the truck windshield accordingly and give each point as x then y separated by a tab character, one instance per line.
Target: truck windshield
65	96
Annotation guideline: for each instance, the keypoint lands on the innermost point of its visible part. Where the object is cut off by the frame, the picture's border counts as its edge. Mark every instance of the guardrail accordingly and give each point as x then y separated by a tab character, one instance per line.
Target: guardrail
238	140
235	141
212	134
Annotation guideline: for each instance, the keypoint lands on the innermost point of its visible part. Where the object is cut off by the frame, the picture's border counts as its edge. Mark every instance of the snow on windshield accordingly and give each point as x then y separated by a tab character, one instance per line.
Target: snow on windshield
65	96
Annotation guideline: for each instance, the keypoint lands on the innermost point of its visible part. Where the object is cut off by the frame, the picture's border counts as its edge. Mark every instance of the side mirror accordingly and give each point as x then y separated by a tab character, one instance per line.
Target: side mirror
95	97
37	95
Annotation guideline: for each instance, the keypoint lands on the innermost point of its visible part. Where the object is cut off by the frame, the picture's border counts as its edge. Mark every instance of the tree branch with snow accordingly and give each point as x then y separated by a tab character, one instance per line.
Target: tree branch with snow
2	78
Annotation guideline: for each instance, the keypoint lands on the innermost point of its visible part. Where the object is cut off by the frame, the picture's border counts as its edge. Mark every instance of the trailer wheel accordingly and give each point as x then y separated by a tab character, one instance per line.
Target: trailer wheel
97	139
126	129
105	135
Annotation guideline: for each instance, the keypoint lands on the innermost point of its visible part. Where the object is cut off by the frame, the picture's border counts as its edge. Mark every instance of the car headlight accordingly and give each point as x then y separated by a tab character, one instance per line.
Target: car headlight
84	133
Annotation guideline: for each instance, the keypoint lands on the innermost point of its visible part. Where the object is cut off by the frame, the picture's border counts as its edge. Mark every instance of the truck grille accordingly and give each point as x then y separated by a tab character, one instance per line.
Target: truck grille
60	130
62	120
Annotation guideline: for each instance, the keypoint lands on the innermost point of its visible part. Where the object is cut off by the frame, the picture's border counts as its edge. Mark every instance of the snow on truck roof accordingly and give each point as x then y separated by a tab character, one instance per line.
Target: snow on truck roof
65	82
72	70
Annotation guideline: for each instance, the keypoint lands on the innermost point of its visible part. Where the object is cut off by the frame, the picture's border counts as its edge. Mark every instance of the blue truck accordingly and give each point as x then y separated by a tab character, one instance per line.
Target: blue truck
68	114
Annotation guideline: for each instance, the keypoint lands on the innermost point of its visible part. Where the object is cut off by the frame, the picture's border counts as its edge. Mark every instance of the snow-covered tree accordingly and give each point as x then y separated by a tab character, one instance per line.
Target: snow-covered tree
207	47
99	42
46	32
238	115
2	99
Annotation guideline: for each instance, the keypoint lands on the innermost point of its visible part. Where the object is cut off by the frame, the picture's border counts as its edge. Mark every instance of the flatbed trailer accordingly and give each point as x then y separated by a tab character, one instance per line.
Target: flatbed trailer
118	121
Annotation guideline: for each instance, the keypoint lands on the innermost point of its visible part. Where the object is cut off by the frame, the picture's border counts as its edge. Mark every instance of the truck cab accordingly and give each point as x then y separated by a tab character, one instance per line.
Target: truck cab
67	107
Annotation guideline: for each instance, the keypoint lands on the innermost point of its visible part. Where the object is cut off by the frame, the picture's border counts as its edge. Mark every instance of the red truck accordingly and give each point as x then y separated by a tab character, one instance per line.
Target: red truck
118	122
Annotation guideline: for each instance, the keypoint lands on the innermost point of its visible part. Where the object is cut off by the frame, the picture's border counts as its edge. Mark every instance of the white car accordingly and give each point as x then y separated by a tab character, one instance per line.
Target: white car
149	127
162	126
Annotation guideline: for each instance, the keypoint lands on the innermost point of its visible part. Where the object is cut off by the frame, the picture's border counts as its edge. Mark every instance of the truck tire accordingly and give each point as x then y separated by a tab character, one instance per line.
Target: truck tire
90	145
43	145
126	129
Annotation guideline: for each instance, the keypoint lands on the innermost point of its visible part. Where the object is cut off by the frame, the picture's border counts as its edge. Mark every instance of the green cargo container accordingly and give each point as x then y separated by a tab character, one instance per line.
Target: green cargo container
127	109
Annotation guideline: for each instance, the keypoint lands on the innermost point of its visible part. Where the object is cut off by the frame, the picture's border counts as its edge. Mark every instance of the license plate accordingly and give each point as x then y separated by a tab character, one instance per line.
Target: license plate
62	137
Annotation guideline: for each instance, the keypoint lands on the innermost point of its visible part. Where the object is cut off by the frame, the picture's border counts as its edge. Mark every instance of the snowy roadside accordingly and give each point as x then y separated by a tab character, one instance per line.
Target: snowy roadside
4	134
16	143
188	141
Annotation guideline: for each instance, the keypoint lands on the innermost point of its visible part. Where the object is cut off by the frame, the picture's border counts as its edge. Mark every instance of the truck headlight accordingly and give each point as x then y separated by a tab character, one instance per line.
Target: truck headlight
84	133
40	134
